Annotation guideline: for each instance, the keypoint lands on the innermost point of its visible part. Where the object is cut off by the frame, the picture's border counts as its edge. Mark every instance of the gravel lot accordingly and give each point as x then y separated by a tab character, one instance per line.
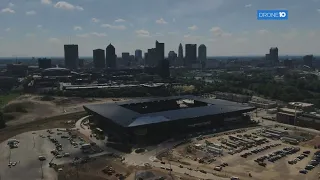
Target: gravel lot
31	146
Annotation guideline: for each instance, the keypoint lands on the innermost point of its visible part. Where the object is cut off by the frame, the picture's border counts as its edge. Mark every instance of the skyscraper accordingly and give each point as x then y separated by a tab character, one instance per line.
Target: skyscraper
172	57
191	55
145	58
152	57
111	58
99	59
71	56
126	58
159	51
274	56
138	55
202	53
180	55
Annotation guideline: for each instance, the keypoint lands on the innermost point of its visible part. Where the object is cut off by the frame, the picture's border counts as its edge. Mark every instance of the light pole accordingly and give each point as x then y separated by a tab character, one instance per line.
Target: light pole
41	163
34	143
9	154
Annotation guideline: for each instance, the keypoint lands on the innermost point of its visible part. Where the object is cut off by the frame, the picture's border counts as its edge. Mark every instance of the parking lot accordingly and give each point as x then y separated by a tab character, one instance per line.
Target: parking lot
246	153
55	146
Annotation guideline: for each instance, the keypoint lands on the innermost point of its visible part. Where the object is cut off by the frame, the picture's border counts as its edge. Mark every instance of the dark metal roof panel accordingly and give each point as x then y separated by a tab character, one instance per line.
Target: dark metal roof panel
128	118
114	112
189	113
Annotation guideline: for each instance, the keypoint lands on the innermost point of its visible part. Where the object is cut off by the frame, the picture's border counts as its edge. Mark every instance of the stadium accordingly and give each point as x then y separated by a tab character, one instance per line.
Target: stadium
146	121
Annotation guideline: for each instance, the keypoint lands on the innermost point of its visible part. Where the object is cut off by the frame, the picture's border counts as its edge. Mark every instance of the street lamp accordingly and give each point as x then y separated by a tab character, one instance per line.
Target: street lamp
41	163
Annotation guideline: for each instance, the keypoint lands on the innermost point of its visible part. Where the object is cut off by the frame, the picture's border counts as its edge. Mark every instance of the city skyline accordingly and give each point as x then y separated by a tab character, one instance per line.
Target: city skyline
226	27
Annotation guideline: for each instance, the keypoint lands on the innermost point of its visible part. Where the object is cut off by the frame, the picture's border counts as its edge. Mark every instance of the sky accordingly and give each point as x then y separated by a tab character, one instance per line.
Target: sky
40	28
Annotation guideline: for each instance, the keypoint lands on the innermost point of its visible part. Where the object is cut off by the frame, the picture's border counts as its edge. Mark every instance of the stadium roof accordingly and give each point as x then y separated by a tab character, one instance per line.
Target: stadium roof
129	118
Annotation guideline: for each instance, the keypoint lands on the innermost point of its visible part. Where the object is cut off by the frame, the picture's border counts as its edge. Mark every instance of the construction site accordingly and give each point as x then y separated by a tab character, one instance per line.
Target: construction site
250	153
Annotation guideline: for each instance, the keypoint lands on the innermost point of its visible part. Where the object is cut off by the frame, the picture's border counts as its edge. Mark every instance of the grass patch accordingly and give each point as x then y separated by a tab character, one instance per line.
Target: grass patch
4	99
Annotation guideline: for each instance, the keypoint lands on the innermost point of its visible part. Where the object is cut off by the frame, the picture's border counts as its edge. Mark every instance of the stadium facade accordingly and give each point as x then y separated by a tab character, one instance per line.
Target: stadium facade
150	120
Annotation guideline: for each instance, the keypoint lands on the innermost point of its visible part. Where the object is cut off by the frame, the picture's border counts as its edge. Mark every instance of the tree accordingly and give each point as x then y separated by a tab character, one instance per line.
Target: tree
2	121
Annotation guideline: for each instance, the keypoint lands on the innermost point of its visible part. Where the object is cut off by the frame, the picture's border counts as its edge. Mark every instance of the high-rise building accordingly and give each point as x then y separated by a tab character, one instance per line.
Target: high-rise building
172	57
44	63
126	58
307	60
274	56
180	55
111	58
191	55
152	57
71	56
159	51
164	68
202	53
138	55
99	59
81	63
145	58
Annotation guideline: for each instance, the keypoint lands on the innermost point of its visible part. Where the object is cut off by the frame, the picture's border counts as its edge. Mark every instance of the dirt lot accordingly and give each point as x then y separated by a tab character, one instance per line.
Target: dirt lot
238	166
27	108
93	170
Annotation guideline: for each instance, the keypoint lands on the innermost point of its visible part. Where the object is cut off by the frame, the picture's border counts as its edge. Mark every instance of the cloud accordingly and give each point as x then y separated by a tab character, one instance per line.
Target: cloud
172	33
46	2
318	10
142	33
39	26
241	40
161	21
193	7
54	40
120	20
10	5
86	35
248	5
193	28
263	31
95	20
7	10
77	28
8	29
67	6
217	31
120	27
292	34
192	37
158	34
31	13
30	35
174	20
311	34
